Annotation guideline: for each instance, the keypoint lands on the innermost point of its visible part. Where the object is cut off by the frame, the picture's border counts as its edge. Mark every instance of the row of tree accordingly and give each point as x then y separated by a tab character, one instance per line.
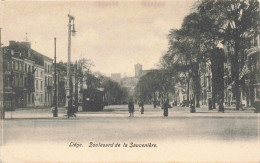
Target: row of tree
212	25
155	84
114	93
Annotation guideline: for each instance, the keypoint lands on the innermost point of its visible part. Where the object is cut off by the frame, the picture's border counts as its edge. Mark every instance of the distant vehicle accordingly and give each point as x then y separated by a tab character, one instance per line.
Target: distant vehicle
93	99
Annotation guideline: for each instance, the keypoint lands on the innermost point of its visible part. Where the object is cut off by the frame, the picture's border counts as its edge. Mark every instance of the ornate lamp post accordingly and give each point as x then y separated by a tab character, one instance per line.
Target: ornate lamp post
69	90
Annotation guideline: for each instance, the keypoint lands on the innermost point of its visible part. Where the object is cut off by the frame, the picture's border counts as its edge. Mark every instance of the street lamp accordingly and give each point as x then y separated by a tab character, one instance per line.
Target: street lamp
69	88
55	111
2	112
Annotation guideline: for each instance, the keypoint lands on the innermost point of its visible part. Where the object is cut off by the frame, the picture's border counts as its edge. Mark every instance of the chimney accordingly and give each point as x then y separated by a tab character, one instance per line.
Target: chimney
27	44
11	42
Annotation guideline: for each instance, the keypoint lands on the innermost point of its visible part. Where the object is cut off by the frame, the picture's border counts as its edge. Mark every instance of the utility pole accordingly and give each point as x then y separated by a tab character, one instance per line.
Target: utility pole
55	112
69	92
2	111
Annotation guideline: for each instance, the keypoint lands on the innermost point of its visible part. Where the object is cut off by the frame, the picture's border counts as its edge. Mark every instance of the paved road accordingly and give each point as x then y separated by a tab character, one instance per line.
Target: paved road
183	136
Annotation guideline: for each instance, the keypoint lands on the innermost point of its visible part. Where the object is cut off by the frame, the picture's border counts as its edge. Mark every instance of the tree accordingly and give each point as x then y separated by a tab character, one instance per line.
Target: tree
238	21
186	43
160	81
114	93
147	87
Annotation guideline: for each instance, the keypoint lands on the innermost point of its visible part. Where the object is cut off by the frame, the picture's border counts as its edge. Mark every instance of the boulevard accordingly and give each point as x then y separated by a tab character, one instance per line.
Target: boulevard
181	136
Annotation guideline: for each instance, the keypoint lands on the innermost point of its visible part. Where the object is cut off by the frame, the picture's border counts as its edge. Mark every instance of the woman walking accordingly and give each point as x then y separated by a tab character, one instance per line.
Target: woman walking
141	107
131	108
165	107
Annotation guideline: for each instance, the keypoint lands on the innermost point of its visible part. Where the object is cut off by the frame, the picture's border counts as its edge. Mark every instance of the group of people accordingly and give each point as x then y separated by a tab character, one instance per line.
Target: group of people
131	108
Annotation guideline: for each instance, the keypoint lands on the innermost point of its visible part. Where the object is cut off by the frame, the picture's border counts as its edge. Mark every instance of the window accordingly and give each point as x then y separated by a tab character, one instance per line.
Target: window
18	65
41	85
29	98
22	81
37	84
45	81
32	98
41	97
51	81
45	67
29	68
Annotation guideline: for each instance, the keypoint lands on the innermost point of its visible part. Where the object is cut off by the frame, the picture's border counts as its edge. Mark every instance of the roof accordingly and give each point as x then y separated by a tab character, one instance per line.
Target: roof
20	50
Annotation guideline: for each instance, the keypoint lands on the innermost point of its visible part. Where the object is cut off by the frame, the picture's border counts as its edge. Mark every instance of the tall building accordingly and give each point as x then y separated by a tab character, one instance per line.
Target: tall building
24	78
138	70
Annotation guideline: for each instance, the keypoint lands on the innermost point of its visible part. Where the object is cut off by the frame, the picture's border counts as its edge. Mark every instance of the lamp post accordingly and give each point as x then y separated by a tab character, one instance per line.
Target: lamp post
2	112
55	111
69	77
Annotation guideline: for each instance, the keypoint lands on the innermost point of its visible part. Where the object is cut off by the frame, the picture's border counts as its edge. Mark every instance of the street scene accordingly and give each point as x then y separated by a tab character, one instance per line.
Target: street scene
115	81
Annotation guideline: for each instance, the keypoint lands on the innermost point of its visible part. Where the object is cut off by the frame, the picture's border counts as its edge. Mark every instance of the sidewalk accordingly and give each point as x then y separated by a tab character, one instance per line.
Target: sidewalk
114	110
230	107
33	107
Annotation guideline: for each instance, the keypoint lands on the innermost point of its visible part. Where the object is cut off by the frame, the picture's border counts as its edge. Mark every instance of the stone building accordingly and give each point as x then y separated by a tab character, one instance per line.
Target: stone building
25	74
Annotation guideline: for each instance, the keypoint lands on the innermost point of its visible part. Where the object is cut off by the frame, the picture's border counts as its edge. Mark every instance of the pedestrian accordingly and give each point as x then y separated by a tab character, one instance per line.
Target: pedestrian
73	111
69	106
70	111
141	107
221	106
165	108
192	106
131	108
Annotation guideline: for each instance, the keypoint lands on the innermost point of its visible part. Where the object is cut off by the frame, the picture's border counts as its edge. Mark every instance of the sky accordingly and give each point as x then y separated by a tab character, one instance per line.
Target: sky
115	35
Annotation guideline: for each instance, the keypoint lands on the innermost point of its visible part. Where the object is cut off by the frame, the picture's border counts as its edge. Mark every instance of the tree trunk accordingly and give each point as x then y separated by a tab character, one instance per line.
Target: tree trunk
217	68
154	100
236	75
197	87
188	92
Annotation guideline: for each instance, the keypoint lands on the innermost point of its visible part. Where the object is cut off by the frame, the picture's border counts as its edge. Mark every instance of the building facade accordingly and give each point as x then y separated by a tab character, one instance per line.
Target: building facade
48	81
25	76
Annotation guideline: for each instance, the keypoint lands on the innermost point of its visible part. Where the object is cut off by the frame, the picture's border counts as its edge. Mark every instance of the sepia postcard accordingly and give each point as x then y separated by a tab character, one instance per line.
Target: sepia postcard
129	81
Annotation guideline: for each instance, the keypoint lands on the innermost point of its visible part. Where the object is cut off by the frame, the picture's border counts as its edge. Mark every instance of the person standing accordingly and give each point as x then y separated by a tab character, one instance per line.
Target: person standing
69	111
131	108
141	106
165	108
